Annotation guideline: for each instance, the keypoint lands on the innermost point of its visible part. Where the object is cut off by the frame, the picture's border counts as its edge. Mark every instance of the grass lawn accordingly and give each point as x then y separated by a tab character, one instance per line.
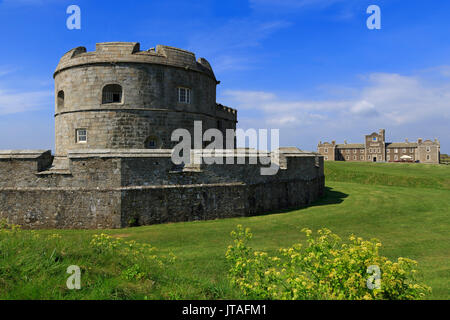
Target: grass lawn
405	206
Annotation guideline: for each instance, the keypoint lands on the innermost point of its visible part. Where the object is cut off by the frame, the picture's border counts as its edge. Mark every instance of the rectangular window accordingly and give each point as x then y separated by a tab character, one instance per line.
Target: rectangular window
428	157
369	157
388	151
396	151
404	150
388	158
81	135
362	157
354	158
326	150
184	95
354	151
347	157
361	151
348	151
395	157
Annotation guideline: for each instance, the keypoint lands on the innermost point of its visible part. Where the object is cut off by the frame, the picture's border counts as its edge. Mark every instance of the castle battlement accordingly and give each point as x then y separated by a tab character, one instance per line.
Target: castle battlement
129	52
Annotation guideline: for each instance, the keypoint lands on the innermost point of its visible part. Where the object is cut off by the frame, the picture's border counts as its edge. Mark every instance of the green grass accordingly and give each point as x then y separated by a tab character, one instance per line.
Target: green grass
406	206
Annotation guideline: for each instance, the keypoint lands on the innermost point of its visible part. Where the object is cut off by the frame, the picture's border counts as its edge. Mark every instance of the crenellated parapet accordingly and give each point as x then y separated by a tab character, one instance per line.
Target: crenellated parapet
129	52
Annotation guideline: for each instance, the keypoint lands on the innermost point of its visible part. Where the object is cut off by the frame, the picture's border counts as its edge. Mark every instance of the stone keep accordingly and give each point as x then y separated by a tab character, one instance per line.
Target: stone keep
115	110
147	107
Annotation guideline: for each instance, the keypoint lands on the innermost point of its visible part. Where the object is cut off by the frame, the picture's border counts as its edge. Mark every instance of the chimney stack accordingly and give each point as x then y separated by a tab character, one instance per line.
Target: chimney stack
419	140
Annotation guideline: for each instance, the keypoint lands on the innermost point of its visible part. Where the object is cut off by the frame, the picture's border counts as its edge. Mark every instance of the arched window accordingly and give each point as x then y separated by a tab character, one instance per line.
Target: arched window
60	99
151	142
112	93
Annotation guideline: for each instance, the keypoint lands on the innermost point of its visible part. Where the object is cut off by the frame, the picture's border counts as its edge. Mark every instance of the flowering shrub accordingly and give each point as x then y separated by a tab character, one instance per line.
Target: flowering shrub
138	258
326	268
35	264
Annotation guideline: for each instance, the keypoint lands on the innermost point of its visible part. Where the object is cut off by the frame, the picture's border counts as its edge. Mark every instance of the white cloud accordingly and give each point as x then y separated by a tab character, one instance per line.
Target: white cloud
405	105
226	45
4	70
16	102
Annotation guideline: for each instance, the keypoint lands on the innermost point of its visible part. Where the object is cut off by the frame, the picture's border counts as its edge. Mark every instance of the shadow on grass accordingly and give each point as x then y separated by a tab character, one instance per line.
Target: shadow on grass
329	197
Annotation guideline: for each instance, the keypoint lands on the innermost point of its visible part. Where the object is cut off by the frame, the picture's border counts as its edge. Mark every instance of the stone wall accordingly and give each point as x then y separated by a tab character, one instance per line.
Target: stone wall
119	188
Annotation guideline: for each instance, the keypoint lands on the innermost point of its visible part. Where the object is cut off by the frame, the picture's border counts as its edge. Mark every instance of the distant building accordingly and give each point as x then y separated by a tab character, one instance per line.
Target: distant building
376	149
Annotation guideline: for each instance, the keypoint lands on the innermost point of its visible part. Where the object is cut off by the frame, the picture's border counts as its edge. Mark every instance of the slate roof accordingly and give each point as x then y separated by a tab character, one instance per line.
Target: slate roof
350	146
401	145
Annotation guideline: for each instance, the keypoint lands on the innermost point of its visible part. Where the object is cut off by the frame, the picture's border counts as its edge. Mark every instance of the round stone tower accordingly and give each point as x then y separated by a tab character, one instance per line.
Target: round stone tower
119	97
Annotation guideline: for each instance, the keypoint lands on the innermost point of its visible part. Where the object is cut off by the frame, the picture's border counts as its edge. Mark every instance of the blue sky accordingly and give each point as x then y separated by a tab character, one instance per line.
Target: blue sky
308	67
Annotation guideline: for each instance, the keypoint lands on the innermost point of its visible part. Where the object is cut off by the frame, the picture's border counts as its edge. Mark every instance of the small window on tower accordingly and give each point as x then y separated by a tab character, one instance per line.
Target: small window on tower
112	93
81	135
60	99
374	139
184	95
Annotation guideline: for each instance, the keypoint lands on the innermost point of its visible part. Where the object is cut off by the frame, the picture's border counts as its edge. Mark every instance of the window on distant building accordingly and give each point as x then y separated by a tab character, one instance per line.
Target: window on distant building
184	95
374	138
428	149
361	157
361	151
404	150
428	157
347	157
355	158
348	151
326	150
369	157
380	158
395	157
112	93
81	135
355	151
379	150
388	158
388	151
396	151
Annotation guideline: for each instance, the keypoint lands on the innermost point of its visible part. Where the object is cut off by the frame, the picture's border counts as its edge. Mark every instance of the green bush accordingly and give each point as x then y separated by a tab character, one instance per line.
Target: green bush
34	265
326	268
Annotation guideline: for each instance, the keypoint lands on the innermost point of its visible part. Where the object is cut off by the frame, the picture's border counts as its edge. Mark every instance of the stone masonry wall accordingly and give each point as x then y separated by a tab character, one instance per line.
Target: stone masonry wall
111	189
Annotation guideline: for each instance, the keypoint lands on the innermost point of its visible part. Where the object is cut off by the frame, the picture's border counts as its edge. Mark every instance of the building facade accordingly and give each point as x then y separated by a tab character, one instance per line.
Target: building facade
376	149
